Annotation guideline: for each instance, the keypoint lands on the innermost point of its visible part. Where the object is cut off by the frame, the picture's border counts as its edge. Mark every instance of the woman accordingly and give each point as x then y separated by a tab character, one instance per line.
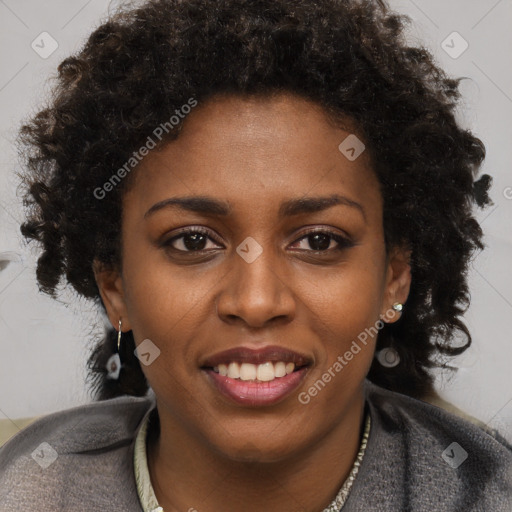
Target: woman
272	203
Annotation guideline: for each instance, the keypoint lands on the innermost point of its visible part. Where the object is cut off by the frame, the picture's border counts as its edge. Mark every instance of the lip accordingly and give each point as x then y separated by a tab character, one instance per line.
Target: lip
271	353
254	394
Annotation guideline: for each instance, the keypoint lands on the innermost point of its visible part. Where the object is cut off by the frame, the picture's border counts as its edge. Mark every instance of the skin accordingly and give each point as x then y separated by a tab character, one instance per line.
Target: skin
254	154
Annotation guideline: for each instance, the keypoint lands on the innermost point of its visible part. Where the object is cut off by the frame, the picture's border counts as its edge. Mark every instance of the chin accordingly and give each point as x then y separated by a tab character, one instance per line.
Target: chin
254	450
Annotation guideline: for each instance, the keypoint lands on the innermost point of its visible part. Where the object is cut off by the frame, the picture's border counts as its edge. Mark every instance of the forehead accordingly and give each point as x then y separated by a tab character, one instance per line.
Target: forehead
258	150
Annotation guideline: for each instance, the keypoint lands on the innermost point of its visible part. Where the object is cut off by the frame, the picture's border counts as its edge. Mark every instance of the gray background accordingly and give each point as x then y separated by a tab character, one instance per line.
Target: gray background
44	343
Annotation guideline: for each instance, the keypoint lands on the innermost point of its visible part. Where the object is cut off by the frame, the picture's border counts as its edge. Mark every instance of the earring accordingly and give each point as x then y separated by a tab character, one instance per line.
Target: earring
388	357
397	307
119	337
114	363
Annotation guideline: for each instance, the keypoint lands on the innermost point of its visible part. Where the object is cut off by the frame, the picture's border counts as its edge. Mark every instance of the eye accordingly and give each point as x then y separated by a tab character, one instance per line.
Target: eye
196	240
191	240
323	241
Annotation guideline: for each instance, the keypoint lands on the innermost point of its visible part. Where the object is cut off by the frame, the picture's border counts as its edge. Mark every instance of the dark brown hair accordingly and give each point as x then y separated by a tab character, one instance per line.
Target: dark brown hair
350	57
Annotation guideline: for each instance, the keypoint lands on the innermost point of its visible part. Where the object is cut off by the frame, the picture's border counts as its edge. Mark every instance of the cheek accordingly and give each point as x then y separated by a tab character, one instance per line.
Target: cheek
158	294
170	318
349	296
165	305
345	312
346	320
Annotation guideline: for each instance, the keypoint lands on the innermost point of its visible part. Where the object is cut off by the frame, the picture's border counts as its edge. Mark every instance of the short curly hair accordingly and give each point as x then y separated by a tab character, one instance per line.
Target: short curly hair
350	57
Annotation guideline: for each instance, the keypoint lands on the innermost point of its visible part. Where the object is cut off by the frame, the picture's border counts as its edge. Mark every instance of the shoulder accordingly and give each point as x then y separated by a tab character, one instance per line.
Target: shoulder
55	461
433	423
428	458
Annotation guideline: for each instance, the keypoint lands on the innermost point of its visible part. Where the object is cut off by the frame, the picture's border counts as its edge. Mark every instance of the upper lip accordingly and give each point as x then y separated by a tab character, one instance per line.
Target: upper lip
272	353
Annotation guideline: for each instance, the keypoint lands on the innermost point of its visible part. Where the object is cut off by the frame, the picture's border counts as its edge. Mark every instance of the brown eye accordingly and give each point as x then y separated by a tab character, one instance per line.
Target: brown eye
323	241
191	240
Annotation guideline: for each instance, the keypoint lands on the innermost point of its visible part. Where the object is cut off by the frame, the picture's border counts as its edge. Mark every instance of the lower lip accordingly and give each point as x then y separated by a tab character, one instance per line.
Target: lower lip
257	393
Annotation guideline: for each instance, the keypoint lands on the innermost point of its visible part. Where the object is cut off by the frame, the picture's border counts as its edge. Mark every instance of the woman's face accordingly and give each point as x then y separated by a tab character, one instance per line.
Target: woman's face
254	276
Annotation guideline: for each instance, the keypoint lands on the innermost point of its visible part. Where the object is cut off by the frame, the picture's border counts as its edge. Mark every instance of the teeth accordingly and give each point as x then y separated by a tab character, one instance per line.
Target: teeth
234	371
280	369
263	372
248	371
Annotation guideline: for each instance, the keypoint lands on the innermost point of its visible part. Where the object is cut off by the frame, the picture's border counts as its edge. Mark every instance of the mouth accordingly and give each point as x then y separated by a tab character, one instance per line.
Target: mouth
256	377
265	372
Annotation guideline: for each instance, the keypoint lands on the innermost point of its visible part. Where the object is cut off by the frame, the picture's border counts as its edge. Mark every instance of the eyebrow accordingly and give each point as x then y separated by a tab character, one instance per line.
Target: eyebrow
211	206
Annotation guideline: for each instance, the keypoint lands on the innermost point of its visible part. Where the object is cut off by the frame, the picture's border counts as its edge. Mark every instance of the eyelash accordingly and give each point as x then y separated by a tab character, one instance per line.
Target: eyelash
343	242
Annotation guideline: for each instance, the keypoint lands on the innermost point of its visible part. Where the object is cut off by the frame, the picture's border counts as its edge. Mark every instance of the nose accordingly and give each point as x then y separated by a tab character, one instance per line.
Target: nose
256	294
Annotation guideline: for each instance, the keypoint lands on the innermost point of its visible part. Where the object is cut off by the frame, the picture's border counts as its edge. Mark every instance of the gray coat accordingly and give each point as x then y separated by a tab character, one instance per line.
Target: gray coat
81	459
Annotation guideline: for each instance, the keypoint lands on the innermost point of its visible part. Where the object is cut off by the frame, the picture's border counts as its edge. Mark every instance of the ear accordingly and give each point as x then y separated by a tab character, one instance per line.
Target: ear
398	282
110	285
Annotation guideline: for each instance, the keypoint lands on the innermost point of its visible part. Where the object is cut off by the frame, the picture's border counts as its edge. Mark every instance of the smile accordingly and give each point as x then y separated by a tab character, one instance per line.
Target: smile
255	392
256	377
265	372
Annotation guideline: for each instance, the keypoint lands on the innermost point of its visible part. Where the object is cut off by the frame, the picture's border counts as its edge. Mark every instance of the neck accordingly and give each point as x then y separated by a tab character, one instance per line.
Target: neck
188	475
